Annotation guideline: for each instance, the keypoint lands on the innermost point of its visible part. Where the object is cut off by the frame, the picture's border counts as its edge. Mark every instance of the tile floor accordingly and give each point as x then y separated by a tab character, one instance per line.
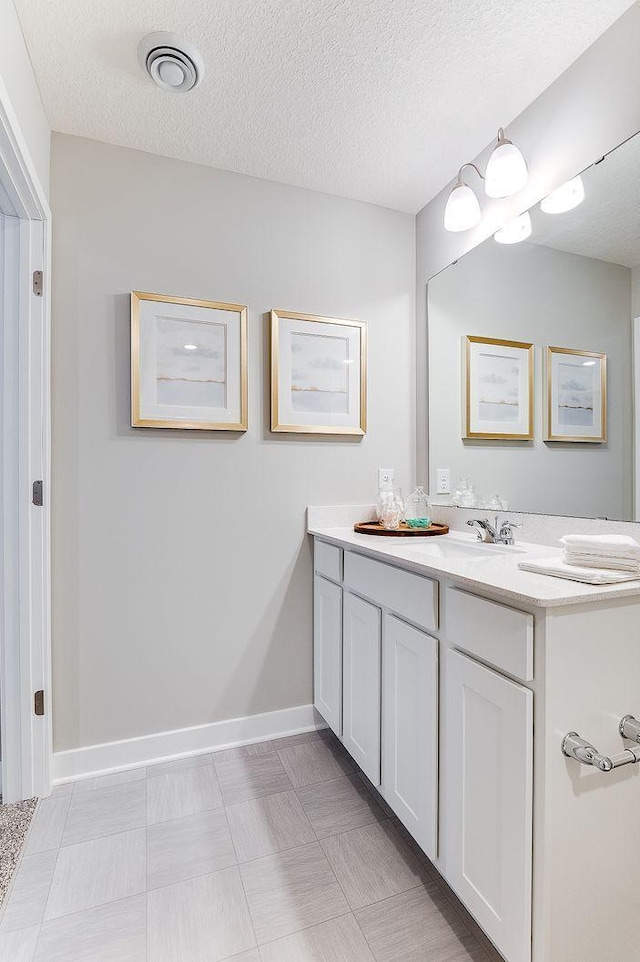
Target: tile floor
277	852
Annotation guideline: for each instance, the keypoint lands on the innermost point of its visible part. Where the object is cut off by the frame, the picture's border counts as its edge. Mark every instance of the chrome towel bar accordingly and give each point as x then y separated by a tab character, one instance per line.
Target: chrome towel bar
573	746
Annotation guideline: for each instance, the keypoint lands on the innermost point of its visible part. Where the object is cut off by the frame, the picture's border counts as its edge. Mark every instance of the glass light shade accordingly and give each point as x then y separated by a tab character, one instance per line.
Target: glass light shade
564	198
515	231
506	170
463	210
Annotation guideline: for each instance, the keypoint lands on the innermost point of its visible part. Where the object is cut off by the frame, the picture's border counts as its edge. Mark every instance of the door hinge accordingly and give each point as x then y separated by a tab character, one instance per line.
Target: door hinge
38	283
38	703
37	493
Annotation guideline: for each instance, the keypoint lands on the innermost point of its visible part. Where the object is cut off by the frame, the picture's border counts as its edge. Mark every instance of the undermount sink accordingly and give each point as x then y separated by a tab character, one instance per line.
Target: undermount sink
447	547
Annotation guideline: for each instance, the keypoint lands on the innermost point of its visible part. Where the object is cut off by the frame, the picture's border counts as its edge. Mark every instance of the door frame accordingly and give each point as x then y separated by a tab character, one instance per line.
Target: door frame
25	605
635	369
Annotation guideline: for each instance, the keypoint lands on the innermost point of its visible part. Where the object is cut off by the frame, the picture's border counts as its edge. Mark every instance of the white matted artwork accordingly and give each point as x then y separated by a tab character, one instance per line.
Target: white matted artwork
318	374
498	389
576	395
188	363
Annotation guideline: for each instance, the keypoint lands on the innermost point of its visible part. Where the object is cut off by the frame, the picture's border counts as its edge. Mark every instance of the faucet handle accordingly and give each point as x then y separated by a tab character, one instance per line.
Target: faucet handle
509	524
506	531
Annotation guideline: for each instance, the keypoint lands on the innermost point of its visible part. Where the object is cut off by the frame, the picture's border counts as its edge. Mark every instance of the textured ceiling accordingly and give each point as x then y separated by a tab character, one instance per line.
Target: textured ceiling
606	225
379	100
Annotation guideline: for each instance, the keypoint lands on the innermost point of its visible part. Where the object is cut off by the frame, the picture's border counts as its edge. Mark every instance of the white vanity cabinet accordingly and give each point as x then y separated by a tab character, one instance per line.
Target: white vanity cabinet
388	685
377	684
410	729
327	651
453	687
362	641
489	758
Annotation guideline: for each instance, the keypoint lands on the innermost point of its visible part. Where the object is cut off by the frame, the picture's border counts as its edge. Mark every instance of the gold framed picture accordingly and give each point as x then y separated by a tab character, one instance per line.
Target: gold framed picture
188	363
498	389
576	396
318	374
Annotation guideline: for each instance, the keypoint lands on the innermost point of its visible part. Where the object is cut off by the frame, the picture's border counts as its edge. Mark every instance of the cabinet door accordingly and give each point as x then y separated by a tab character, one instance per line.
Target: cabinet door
489	768
410	729
361	702
327	652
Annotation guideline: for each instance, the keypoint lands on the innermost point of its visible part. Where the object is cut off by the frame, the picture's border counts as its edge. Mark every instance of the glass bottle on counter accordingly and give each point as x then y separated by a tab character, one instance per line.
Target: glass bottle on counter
417	505
390	511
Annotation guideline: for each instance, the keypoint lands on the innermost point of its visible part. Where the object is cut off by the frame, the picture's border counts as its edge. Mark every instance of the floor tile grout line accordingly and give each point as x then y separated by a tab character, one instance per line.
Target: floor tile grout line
374	821
176	771
53	874
305	928
335	875
90	908
96	838
364	936
244	891
166	885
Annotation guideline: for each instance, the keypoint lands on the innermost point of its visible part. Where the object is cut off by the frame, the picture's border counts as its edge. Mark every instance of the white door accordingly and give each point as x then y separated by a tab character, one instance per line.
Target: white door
361	695
24	459
410	729
489	767
327	652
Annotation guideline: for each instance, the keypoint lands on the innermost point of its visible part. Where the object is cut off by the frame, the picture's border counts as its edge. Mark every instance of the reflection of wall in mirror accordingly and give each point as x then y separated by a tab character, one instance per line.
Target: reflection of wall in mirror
534	293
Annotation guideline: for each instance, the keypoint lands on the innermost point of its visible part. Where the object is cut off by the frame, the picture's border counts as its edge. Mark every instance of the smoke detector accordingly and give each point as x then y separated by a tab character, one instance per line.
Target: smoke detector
171	62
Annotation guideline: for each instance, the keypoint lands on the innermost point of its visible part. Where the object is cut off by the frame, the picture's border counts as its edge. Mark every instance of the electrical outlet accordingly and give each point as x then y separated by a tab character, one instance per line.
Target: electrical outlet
385	476
443	481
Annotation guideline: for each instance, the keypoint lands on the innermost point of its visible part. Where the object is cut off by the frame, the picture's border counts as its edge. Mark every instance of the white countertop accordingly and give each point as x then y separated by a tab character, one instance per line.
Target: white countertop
495	569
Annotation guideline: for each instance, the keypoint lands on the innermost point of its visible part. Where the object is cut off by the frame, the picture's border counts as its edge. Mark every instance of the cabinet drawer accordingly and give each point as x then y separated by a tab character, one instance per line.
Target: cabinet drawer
328	560
499	635
410	596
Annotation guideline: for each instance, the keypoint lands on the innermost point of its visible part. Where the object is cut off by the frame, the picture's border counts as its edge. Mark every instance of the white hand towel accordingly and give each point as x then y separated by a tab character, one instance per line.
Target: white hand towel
591	576
603	545
581	559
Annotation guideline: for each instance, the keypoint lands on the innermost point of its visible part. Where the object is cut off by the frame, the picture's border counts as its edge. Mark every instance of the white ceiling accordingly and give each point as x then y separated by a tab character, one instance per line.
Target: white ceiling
606	225
379	100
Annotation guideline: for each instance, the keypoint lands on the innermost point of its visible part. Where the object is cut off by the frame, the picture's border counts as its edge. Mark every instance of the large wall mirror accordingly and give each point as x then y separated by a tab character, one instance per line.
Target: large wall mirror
526	427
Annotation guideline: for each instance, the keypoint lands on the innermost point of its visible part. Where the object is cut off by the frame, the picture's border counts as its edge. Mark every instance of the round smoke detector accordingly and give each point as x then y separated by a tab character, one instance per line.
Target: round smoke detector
171	62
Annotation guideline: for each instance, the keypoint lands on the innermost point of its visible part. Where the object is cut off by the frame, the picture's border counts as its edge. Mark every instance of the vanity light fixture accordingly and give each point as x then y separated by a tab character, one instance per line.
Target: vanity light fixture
506	172
564	198
515	231
463	210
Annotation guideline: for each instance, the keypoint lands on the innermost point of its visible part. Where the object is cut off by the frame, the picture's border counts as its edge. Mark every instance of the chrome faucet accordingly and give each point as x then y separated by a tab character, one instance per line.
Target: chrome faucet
494	533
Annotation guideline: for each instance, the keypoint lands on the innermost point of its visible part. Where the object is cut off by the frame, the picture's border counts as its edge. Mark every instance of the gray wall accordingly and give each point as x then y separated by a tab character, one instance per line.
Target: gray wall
590	109
17	76
531	293
181	568
635	291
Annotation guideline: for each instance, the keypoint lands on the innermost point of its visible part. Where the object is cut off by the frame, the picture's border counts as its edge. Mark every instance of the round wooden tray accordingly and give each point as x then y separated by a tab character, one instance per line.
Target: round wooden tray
404	531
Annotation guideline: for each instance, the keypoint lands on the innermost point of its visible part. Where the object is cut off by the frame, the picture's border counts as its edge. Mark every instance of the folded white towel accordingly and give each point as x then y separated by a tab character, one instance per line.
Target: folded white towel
584	560
591	576
602	545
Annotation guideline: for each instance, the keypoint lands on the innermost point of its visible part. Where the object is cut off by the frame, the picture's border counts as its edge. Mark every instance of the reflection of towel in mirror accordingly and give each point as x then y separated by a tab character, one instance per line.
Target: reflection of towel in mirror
602	551
591	576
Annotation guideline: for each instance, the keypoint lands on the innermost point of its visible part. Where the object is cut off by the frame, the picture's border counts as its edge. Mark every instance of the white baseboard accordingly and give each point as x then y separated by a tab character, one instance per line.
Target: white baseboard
78	763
